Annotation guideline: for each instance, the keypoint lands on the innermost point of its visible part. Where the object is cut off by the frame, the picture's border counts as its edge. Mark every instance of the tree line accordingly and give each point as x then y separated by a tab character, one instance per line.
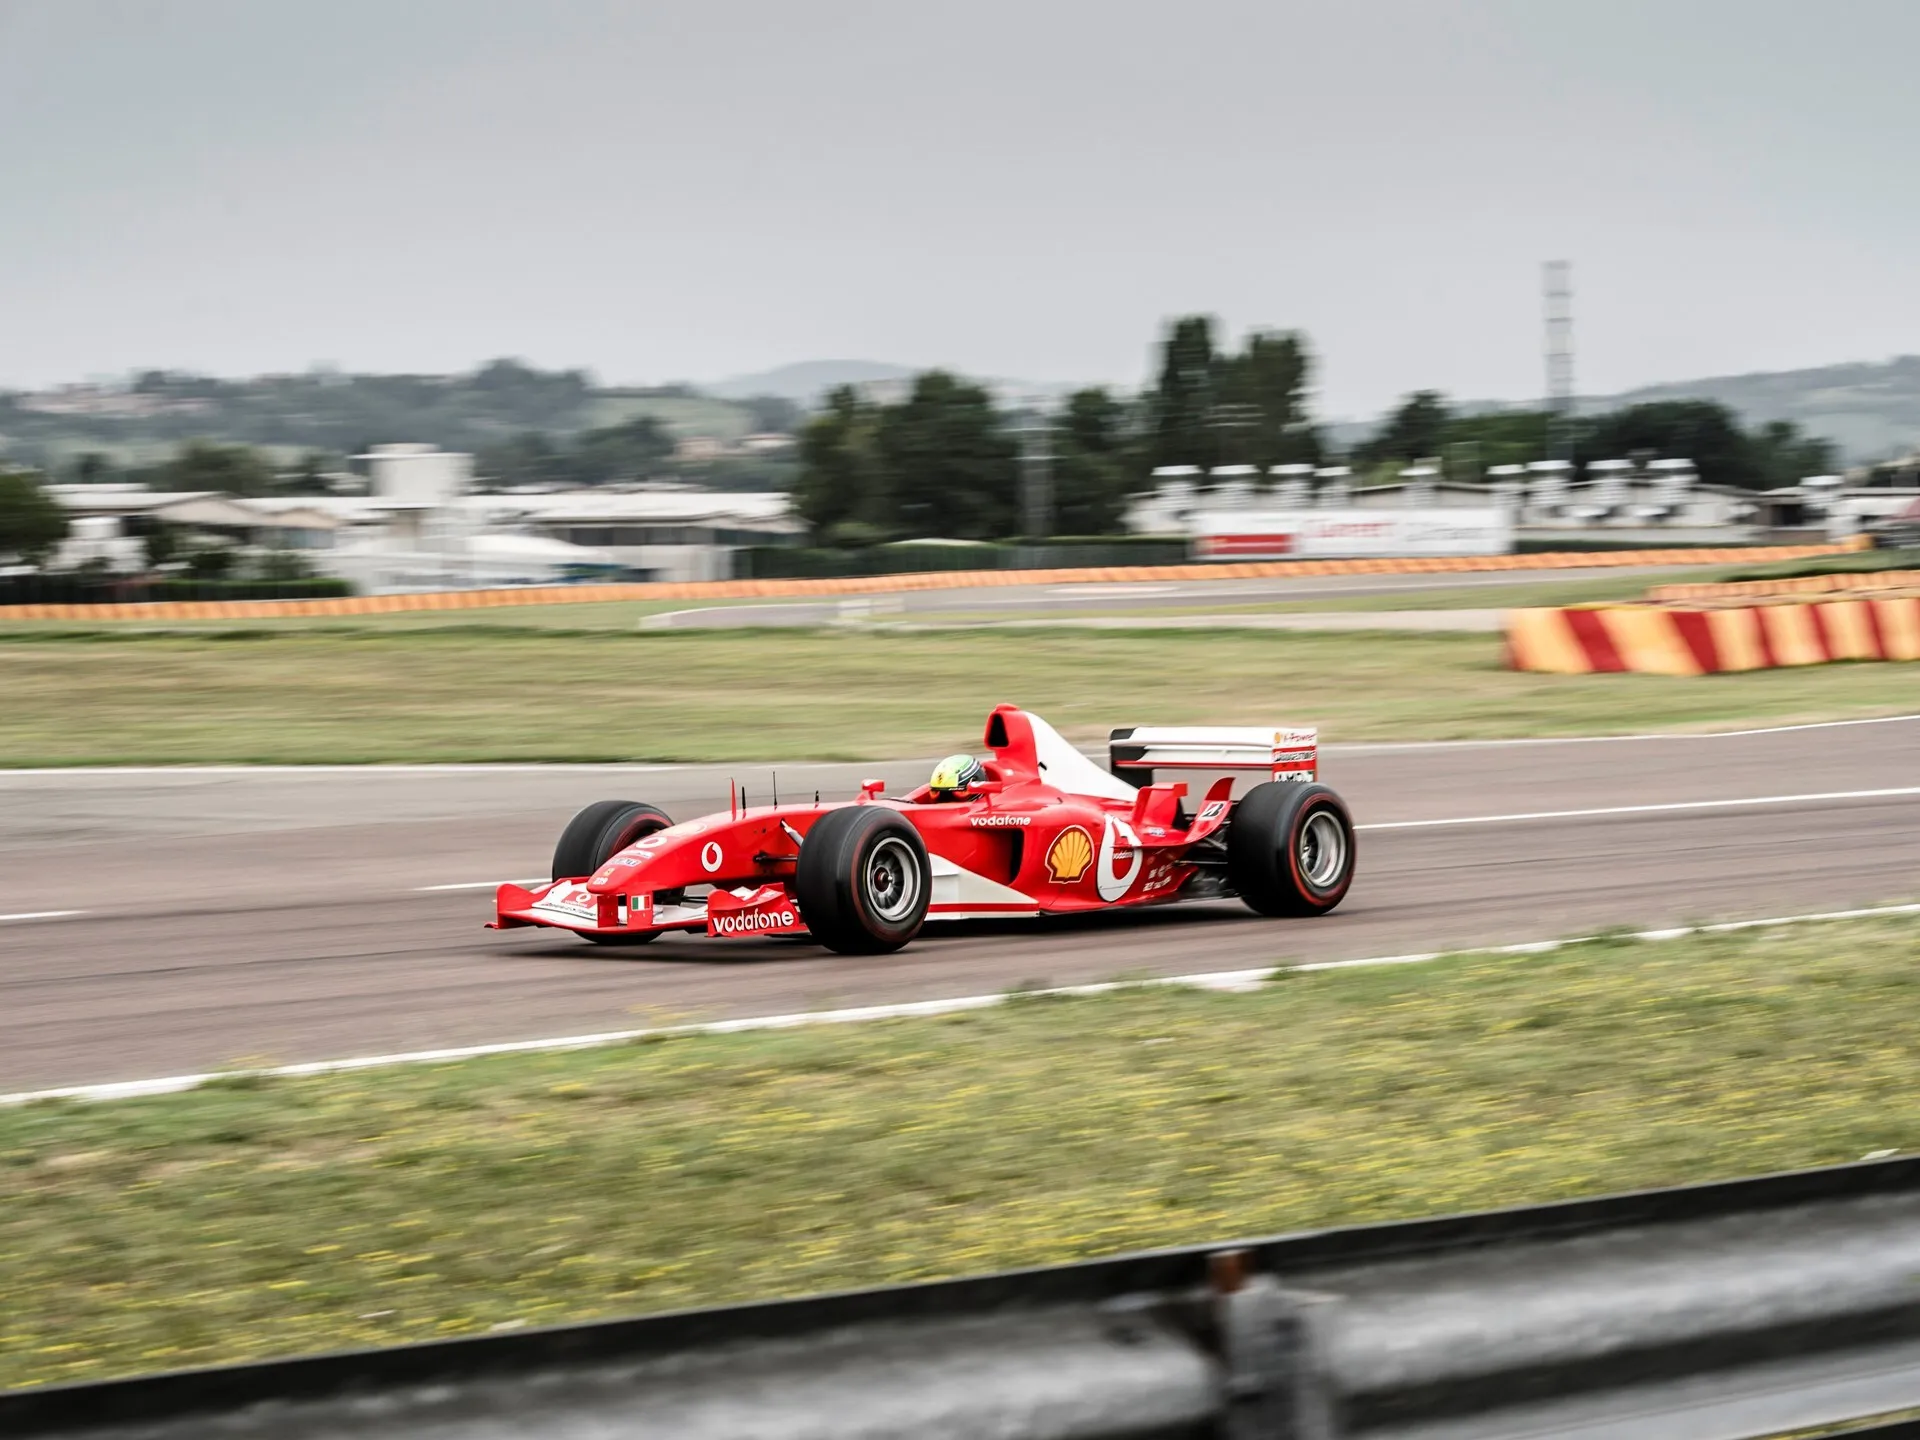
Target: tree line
945	461
1425	427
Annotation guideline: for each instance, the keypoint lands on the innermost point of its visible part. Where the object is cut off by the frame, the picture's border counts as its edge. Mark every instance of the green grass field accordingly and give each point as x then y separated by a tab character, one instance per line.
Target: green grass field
292	1215
482	691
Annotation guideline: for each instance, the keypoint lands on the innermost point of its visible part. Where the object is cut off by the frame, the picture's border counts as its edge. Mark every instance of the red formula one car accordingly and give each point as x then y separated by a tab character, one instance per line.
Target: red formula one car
1037	829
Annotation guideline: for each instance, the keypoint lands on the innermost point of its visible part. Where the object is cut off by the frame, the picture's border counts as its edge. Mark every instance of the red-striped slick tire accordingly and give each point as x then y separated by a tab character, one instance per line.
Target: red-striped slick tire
1290	849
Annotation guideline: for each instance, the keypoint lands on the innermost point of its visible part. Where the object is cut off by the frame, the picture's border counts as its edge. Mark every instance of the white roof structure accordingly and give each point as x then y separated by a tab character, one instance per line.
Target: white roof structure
770	511
339	509
194	507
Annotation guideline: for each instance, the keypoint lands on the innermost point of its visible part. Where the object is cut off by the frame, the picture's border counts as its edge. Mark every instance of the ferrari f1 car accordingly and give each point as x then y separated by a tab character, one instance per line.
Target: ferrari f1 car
1035	829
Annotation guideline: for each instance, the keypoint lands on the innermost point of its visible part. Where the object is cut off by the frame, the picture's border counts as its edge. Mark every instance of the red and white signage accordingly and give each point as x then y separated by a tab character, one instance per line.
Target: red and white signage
1350	534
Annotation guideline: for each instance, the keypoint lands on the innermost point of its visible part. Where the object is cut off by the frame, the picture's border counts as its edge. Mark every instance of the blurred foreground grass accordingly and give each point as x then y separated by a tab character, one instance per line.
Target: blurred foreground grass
294	1215
477	692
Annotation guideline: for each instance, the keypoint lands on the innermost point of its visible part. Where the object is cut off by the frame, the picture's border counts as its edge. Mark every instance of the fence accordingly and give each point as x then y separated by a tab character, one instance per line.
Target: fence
1718	1312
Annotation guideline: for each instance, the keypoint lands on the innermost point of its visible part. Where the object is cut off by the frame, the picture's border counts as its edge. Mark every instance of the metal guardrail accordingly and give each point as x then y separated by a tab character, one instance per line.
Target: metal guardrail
1710	1312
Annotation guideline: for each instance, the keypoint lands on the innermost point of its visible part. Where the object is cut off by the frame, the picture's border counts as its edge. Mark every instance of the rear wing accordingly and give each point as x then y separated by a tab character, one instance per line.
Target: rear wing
1134	753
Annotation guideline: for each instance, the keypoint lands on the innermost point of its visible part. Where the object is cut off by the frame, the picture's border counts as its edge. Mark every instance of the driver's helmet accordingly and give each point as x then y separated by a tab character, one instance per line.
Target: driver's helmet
955	776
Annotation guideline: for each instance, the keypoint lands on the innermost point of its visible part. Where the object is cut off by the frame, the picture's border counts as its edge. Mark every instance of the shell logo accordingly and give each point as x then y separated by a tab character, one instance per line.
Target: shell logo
1069	855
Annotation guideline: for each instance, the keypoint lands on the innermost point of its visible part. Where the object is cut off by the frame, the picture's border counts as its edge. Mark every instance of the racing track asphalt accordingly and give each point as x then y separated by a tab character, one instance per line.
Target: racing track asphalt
252	916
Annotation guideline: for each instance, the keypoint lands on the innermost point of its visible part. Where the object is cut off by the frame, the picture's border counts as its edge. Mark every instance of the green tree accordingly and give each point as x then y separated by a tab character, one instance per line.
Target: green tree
631	451
31	521
309	476
92	468
1090	471
1499	437
160	545
1786	456
1267	385
520	394
1413	432
283	565
210	562
952	467
1182	420
231	469
1697	430
841	492
529	458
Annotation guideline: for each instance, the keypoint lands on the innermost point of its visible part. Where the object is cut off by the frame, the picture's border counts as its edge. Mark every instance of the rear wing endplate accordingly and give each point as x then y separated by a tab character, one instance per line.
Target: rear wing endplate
1134	753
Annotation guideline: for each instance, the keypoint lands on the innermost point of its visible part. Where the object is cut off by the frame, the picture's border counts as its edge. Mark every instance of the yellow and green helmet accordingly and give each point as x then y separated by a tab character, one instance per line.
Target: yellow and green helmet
956	775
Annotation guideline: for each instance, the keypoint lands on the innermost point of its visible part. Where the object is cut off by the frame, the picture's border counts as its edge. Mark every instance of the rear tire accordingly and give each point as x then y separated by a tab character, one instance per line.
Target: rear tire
1290	849
595	836
863	880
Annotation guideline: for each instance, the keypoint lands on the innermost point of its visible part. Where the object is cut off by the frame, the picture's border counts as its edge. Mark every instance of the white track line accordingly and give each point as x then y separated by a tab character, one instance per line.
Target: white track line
40	915
1217	980
1667	807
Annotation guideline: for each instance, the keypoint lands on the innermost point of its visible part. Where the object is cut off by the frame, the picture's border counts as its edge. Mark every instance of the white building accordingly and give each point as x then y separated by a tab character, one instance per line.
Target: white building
418	528
1619	502
651	532
421	527
110	523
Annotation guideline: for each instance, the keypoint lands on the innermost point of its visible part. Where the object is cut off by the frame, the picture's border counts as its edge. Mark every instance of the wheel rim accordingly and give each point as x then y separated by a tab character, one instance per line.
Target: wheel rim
892	880
1322	850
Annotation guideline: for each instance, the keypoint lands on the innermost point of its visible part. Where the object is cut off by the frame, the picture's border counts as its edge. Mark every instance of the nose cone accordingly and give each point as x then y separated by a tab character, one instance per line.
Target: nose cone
614	876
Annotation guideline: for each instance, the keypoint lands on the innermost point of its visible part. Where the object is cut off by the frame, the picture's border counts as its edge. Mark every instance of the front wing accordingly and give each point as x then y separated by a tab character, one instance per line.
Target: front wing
569	905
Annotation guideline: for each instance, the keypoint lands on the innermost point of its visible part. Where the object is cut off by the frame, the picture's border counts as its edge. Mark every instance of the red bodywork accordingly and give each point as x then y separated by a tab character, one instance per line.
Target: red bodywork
1049	832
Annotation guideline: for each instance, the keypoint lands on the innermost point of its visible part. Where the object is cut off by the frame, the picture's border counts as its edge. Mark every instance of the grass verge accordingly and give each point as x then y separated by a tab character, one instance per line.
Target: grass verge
1860	562
481	693
297	1215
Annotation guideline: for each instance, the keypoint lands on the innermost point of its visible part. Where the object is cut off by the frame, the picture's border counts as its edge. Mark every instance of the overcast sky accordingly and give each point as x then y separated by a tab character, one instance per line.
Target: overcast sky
1027	188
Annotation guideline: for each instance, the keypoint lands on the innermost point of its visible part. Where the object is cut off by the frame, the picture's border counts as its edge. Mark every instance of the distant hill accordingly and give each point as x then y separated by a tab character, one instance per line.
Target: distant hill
145	421
1872	411
805	381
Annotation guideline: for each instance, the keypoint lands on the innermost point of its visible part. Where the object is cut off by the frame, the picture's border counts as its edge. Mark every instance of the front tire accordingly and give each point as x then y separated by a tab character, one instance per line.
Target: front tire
595	836
863	880
1290	849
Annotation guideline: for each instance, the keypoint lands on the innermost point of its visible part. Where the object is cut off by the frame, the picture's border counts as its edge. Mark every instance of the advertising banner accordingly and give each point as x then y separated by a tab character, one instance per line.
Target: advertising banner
1351	534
